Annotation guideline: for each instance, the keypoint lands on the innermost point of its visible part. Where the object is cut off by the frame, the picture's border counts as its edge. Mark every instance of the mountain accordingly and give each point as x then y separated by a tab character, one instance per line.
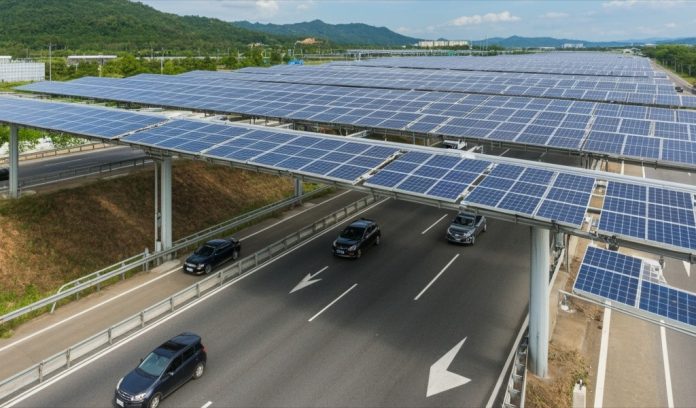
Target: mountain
535	42
340	34
114	25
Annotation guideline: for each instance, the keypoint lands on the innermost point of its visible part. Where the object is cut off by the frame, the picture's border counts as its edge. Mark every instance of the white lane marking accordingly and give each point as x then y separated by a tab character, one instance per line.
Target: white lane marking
331	304
501	377
434	224
435	278
668	374
440	379
687	267
308	280
642	169
54	325
207	404
602	364
165	319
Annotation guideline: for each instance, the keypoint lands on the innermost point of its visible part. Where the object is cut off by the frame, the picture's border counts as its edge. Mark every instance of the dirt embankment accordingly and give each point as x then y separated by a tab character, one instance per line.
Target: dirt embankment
52	238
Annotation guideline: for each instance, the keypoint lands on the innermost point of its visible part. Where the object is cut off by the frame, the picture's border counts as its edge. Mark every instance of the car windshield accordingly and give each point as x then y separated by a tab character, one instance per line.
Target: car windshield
352	233
154	364
205	250
464	220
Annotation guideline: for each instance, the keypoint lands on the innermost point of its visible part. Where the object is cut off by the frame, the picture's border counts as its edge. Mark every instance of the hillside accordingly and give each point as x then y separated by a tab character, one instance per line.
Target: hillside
51	238
340	34
535	42
114	25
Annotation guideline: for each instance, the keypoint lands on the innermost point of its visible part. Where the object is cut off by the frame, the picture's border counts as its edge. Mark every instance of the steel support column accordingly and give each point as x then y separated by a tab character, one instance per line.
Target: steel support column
299	187
166	203
14	162
539	302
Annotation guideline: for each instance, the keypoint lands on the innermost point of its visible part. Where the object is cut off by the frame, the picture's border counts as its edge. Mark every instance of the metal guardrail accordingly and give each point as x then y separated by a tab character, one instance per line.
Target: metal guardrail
50	366
57	152
143	260
80	172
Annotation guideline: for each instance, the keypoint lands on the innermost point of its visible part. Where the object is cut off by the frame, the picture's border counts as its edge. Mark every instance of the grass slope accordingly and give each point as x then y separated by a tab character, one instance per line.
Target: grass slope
46	240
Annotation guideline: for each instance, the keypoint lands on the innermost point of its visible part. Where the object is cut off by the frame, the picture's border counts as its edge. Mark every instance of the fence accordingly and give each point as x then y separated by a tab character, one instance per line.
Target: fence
40	372
57	152
143	260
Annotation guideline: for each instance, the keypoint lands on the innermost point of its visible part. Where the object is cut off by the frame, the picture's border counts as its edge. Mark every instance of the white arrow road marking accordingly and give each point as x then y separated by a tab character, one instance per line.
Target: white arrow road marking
307	280
687	266
441	380
207	404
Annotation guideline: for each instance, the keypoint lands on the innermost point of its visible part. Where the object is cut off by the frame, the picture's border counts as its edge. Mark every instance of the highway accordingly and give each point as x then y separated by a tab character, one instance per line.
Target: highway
57	164
356	337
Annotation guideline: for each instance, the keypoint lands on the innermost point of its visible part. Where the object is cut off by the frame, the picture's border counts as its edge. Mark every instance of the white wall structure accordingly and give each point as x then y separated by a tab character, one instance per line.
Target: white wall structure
17	71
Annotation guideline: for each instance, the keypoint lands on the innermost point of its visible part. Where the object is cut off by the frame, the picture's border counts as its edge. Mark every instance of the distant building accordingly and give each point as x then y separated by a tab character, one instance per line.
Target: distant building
309	41
101	59
573	45
442	43
20	71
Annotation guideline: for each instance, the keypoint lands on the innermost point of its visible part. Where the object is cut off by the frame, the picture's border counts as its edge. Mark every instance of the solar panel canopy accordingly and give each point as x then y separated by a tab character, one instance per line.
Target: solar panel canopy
634	283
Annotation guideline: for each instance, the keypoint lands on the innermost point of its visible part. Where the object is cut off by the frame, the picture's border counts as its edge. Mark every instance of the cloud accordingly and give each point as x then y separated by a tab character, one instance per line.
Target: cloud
671	25
502	17
627	4
553	15
305	5
267	6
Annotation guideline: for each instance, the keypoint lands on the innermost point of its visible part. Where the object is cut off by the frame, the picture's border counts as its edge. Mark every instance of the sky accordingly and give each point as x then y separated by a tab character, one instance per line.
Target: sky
590	20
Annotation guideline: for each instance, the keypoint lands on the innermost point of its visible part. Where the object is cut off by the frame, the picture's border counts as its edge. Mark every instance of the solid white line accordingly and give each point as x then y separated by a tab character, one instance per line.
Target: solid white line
501	377
434	224
602	364
435	278
207	404
668	374
54	325
135	335
331	304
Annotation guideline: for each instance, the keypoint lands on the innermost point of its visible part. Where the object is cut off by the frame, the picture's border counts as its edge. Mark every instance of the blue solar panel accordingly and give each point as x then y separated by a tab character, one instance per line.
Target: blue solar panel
623	224
320	167
348	172
519	203
574	182
672	234
447	189
671	214
668	302
417	184
623	206
562	212
568	196
485	196
670	197
497	183
607	284
613	261
623	190
536	190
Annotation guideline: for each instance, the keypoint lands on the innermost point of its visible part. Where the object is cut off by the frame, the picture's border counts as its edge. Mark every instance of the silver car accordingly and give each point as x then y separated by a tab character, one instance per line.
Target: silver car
465	227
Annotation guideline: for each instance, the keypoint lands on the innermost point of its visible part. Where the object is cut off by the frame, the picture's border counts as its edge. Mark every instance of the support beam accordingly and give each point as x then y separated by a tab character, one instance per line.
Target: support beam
299	187
166	202
14	162
539	302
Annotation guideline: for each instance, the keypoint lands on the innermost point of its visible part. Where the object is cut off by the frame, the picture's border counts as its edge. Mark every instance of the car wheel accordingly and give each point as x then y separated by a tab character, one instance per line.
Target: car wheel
208	268
485	227
198	372
378	239
155	401
358	254
235	254
473	239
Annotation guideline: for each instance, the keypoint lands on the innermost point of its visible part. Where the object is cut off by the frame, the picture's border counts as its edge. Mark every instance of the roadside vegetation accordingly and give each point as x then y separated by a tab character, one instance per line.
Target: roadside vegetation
679	58
566	366
52	238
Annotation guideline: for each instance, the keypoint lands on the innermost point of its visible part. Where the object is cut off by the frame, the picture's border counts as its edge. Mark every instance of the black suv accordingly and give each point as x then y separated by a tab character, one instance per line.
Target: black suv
4	173
212	254
356	237
164	370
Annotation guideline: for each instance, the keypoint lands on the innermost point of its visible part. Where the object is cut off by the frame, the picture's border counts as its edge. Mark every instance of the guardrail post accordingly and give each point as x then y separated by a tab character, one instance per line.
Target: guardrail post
146	265
142	319
171	304
41	371
256	259
110	334
98	283
67	357
198	290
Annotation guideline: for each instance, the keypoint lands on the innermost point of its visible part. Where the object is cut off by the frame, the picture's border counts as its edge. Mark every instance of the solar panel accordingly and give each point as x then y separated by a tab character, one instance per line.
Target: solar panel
635	285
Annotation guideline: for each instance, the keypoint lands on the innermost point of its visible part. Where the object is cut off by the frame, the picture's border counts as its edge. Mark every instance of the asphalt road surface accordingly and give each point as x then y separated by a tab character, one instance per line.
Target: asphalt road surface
356	337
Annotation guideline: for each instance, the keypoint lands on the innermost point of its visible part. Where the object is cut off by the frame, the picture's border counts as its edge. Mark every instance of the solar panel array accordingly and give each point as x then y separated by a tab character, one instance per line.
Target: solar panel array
73	118
649	213
567	63
619	131
638	90
330	158
625	279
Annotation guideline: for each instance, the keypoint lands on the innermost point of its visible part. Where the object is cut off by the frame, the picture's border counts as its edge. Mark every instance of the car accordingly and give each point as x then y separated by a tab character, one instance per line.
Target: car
465	227
679	89
212	254
356	237
4	173
165	369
